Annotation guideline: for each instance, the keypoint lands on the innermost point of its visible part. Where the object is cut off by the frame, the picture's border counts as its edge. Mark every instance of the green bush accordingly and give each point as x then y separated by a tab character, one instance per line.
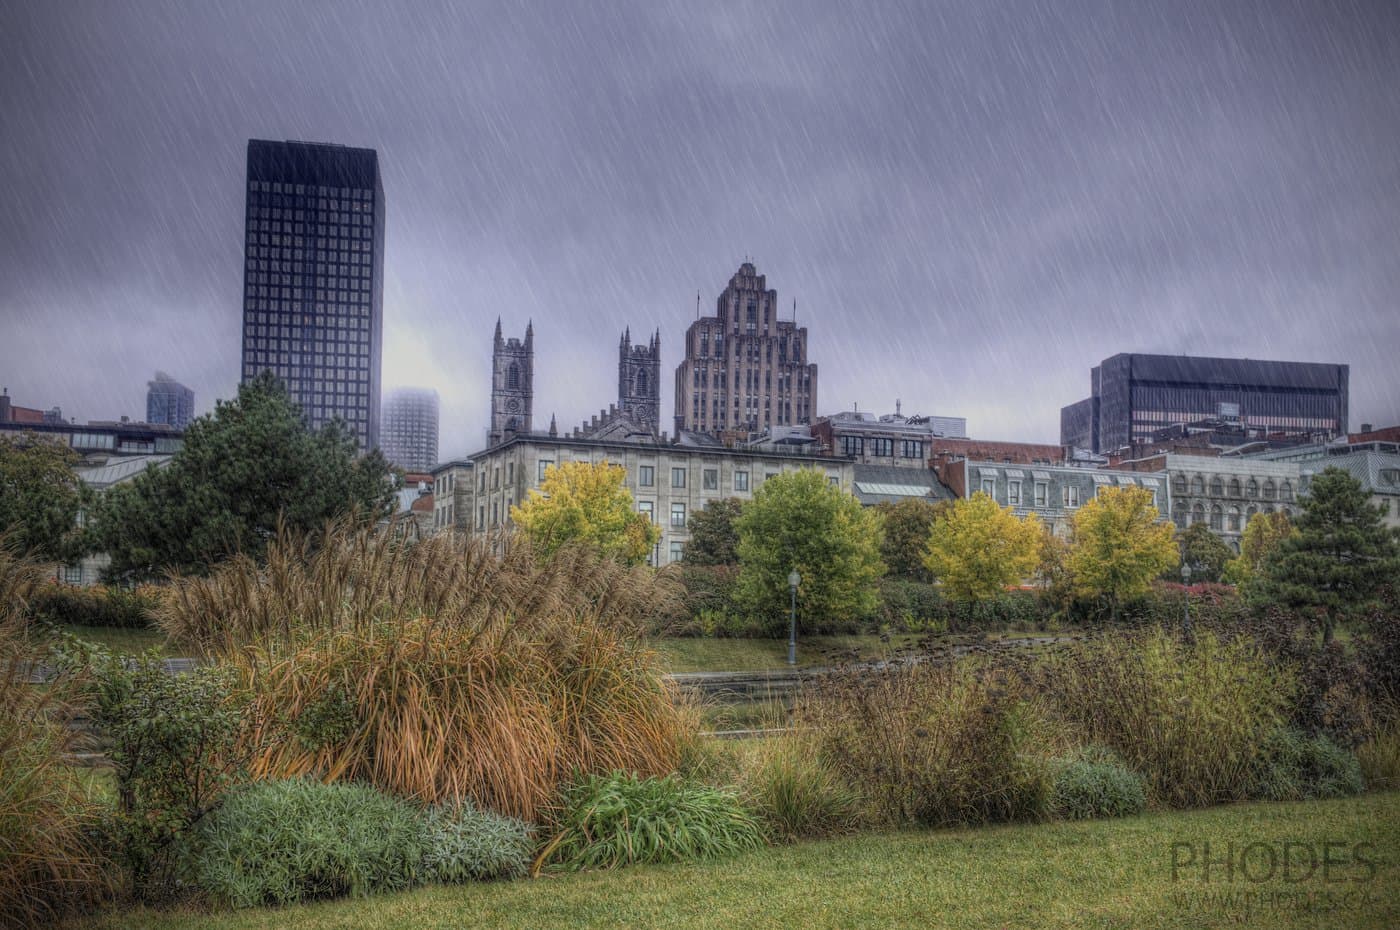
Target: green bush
796	794
615	820
281	842
67	605
908	606
1293	766
934	744
1096	785
462	844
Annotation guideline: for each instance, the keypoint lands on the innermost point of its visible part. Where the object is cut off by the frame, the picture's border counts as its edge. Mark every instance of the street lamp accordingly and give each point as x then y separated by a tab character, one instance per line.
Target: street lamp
1186	599
794	580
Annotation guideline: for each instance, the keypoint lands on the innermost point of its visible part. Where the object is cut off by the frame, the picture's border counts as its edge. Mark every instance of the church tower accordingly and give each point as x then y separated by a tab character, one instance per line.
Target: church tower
639	381
512	384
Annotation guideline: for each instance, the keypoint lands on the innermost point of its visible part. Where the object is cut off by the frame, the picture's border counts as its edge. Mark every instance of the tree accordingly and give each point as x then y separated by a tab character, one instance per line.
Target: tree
713	538
1340	558
1205	552
249	465
1119	546
797	521
979	547
1262	534
580	501
907	527
40	497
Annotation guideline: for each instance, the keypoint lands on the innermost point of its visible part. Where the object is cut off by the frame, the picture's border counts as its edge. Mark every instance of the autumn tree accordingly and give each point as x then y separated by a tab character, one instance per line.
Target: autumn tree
1339	560
1262	535
977	548
713	537
798	520
1119	546
40	497
1205	552
242	471
588	503
907	527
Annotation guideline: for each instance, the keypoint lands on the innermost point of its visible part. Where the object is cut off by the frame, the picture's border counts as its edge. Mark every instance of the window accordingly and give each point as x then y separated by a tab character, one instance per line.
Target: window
73	574
1232	520
544	466
1234	487
1070	495
1179	484
678	516
834	480
678	477
481	517
648	508
1217	515
852	445
911	449
1285	490
883	447
510	473
646	476
1042	490
1217	487
677	551
1198	513
1251	488
741	481
496	477
1013	493
1198	485
1269	489
710	478
989	487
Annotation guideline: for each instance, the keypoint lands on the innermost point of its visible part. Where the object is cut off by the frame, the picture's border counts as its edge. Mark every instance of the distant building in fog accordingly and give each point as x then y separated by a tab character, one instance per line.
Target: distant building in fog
408	436
169	402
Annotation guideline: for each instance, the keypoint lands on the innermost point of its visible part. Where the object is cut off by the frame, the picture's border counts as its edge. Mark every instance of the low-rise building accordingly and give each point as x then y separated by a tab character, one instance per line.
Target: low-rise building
668	481
1375	464
887	484
451	489
1052	492
121	470
892	439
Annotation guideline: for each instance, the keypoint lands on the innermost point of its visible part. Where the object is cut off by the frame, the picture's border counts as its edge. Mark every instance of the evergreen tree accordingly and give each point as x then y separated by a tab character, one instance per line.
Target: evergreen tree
907	528
241	470
1205	552
713	537
1339	560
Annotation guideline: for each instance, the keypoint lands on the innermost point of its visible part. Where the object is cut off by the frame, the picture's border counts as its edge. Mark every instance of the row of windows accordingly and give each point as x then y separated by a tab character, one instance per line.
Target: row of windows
1251	487
1069	494
882	447
287	294
1230	519
287	187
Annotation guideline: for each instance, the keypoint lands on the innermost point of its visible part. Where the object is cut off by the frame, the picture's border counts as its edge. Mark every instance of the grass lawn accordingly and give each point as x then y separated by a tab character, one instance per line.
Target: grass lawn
709	654
123	641
1100	874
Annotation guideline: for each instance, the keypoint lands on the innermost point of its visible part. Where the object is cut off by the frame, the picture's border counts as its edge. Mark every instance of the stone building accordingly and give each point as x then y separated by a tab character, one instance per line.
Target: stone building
1376	464
452	482
744	369
512	384
639	381
668	481
891	439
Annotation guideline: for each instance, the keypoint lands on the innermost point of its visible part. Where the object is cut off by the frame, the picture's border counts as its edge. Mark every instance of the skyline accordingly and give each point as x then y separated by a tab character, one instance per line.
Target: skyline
971	208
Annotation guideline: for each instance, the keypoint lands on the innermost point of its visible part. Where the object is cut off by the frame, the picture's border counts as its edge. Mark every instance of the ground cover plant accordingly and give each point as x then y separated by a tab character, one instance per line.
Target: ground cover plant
461	843
1095	783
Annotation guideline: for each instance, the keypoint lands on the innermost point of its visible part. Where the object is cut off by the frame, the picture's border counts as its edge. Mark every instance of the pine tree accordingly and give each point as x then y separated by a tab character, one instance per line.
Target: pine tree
713	537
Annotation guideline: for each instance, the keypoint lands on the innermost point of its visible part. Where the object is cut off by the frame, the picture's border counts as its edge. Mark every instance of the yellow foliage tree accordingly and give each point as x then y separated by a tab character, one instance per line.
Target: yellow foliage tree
1262	535
580	501
1120	545
978	547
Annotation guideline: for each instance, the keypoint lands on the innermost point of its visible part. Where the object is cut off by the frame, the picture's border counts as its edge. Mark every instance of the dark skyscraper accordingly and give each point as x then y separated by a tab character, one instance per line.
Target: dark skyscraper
168	401
409	436
1133	396
313	281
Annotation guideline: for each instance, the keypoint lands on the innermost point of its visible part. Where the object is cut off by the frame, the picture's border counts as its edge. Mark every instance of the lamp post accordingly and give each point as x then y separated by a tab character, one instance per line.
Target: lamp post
794	580
1186	600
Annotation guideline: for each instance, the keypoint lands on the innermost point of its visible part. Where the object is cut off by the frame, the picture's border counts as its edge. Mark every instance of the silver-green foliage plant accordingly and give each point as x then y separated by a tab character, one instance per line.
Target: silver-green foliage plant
1096	784
461	844
1294	766
615	820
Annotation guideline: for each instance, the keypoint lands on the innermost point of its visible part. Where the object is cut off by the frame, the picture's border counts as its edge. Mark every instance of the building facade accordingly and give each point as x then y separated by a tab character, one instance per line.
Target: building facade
313	283
669	482
744	369
1133	396
1054	493
891	439
512	384
169	402
1376	464
409	434
98	441
639	381
452	486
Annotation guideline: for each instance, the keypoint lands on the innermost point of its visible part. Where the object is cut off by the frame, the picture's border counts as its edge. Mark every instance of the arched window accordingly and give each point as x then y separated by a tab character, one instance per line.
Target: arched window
1198	485
1249	514
1269	489
642	382
1232	519
1216	517
1251	489
1179	483
1234	487
1217	487
1198	512
513	377
1285	491
1179	515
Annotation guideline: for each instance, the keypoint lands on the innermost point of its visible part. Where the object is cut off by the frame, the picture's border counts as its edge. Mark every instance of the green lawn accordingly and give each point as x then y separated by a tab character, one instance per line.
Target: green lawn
1101	874
128	642
707	654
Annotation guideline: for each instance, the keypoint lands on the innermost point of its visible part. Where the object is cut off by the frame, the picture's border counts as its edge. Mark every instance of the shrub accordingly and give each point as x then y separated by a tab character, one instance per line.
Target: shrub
1096	785
438	671
49	861
461	844
1294	766
933	743
1189	717
615	820
281	842
908	606
100	606
795	793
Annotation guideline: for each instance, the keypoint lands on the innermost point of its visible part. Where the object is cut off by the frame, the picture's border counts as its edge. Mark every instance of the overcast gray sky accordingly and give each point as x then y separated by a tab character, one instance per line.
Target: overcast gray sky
972	203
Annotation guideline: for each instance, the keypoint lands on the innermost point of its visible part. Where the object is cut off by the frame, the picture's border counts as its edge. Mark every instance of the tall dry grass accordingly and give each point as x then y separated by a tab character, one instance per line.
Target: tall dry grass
49	863
440	670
